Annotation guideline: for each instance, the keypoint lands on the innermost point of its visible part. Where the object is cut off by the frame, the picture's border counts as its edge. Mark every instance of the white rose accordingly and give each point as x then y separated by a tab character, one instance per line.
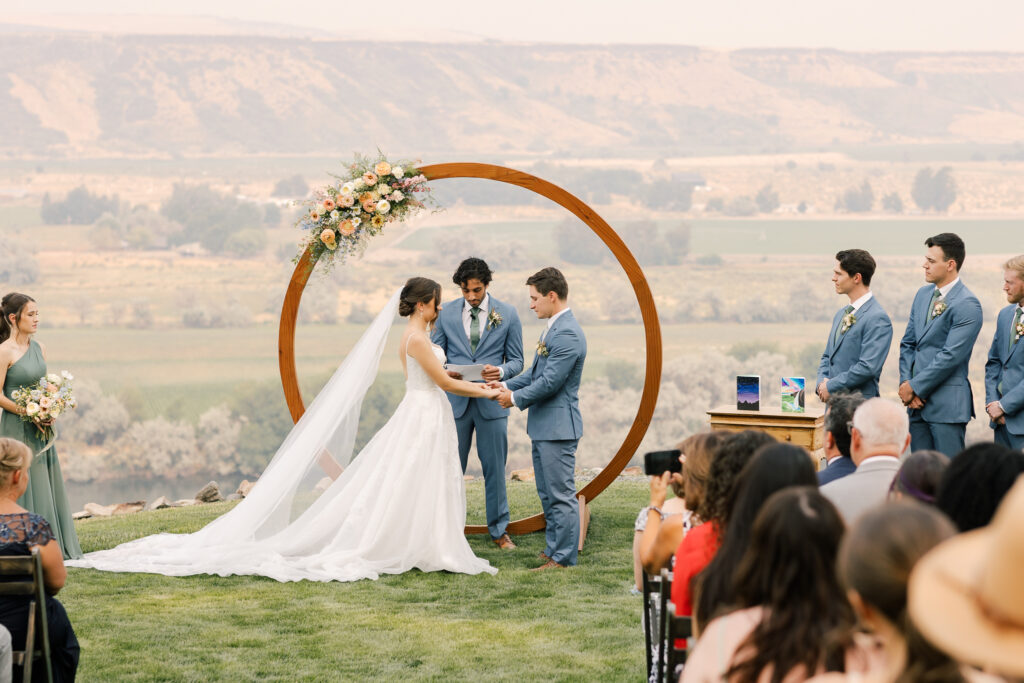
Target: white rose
397	196
32	408
358	183
383	189
55	411
348	188
397	171
356	221
53	379
383	206
67	375
335	215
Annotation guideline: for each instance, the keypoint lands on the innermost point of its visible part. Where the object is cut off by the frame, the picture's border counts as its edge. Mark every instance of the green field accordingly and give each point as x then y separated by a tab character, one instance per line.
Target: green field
577	624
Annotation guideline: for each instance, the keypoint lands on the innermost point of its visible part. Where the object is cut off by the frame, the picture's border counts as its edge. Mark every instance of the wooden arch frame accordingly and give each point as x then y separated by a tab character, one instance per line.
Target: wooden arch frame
652	328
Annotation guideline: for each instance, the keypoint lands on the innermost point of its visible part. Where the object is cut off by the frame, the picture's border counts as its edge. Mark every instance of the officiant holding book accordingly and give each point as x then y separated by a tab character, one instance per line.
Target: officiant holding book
473	330
861	333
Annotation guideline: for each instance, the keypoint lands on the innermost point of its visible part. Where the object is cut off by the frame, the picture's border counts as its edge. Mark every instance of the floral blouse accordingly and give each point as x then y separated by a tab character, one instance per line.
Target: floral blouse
23	529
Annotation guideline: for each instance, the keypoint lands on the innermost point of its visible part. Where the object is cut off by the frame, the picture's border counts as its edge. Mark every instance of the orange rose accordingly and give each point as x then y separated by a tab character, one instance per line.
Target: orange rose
345	200
346	227
327	237
329	205
382	168
367	197
370	206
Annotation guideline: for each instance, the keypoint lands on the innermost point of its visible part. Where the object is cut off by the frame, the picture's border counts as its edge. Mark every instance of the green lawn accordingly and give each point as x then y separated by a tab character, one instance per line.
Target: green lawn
580	624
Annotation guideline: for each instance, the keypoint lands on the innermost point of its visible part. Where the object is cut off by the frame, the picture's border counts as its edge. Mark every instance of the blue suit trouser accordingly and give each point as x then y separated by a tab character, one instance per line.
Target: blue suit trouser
1012	441
492	448
554	469
936	436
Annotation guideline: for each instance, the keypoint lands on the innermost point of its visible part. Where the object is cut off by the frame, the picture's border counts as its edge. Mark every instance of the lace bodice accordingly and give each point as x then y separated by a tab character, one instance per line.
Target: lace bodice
25	528
418	379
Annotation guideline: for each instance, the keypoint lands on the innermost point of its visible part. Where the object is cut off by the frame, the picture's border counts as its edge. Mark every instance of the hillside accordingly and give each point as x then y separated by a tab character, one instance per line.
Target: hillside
73	94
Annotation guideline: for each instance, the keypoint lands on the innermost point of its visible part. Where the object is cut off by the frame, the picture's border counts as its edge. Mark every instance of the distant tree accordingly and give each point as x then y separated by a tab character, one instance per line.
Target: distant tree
669	195
271	215
217	441
18	265
622	374
934	192
741	206
358	315
709	260
213	219
767	199
80	207
83	305
716	204
892	202
578	244
116	311
653	248
292	188
142	314
801	207
859	199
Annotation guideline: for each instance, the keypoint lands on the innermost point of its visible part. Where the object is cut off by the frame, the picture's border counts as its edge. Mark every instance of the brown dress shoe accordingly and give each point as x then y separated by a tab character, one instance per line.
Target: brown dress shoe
550	564
543	556
504	542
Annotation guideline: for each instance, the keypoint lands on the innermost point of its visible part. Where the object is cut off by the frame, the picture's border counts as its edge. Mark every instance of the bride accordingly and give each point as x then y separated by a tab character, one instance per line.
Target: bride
399	505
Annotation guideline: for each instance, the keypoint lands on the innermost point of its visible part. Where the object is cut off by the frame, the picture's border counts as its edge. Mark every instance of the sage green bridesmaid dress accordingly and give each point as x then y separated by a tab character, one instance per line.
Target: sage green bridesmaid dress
45	494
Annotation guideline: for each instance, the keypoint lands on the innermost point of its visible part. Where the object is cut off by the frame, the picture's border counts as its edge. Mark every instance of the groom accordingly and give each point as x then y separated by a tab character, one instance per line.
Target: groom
480	329
550	390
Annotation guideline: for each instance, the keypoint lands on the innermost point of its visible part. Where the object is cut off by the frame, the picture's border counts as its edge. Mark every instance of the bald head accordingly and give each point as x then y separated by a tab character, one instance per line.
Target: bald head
881	428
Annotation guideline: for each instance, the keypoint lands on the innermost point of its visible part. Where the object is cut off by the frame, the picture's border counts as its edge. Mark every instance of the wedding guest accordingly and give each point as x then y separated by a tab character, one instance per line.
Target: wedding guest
21	530
837	436
23	362
878	436
791	619
966	596
861	333
773	468
1004	371
875	561
976	481
935	352
919	476
700	544
660	526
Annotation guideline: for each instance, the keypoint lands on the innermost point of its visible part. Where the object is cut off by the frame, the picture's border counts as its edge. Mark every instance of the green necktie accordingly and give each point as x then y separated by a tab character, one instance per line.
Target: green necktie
931	306
1013	328
474	328
839	327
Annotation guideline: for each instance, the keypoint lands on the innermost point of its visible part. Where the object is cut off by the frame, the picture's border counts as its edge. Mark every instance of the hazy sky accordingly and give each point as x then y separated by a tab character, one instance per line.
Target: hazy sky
859	25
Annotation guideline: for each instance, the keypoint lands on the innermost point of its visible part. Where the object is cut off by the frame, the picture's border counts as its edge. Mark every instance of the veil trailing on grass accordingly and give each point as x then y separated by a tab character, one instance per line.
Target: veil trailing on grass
323	440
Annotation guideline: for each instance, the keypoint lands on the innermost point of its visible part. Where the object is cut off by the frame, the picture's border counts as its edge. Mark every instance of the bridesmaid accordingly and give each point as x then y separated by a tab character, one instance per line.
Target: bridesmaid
23	362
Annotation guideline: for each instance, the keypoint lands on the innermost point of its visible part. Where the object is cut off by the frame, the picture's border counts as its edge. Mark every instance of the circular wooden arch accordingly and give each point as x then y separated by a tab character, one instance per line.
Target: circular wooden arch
652	328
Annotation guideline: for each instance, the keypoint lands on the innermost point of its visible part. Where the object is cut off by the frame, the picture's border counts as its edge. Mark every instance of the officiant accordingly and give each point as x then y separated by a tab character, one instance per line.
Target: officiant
477	329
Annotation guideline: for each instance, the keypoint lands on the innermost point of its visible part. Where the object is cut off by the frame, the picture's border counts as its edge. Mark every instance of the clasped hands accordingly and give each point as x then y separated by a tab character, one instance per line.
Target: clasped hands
909	398
995	411
503	397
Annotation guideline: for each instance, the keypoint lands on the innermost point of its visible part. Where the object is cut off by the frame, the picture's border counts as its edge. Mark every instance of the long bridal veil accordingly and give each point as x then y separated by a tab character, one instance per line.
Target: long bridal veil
287	486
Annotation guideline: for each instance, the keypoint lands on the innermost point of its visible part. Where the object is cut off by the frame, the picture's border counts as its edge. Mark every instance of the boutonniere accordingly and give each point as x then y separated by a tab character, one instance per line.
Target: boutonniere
494	319
938	308
1020	331
848	320
542	349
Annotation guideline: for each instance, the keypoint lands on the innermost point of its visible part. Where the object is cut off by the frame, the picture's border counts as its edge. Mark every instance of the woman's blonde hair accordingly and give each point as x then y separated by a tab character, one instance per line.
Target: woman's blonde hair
14	455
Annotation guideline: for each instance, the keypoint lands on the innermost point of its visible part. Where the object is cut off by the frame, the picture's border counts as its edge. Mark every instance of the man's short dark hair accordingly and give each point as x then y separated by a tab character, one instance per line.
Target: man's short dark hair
550	280
854	261
472	269
951	245
841	407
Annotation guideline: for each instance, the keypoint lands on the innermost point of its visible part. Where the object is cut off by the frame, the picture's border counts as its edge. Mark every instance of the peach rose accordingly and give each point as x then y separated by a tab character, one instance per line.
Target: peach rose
382	168
327	237
367	197
346	227
346	200
370	206
44	403
370	178
329	205
314	216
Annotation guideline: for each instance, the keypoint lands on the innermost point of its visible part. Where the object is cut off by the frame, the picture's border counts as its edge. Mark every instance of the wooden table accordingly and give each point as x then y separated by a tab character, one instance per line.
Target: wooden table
805	429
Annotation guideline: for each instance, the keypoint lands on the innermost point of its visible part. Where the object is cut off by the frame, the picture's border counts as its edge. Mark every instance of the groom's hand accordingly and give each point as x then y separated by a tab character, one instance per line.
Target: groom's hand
495	385
491	373
505	398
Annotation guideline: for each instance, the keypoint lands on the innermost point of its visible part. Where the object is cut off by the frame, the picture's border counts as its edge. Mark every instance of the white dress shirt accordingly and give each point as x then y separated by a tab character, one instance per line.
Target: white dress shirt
467	318
861	301
943	291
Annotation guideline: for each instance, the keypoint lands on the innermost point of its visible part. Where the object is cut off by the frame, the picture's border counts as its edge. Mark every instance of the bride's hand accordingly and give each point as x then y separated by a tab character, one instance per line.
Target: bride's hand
492	393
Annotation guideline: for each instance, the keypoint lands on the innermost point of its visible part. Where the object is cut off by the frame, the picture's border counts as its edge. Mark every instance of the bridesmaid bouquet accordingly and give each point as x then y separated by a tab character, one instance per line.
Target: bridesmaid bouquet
45	400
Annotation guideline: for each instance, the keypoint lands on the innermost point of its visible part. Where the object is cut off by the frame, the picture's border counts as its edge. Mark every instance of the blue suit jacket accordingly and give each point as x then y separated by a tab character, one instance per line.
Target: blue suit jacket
934	354
854	361
551	387
839	468
500	346
1006	367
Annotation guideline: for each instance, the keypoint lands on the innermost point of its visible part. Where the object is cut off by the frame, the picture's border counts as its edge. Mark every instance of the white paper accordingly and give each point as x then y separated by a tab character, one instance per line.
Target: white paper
470	373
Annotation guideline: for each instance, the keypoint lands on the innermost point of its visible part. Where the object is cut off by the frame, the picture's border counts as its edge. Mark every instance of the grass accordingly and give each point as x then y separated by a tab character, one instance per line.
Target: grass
580	624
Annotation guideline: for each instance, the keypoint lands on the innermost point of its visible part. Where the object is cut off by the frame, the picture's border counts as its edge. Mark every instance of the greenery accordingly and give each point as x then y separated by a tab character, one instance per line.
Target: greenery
934	192
858	199
219	222
578	624
80	207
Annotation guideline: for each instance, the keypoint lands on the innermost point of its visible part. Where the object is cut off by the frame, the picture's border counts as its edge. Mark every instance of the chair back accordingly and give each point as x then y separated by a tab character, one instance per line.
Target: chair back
652	621
676	629
23	575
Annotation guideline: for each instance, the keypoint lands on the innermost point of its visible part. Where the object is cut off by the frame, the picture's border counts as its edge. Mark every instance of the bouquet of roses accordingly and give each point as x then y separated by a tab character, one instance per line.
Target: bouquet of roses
341	217
44	401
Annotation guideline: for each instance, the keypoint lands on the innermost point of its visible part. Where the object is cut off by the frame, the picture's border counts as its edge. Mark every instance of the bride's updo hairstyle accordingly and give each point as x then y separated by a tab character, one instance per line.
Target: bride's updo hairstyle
12	304
14	455
418	290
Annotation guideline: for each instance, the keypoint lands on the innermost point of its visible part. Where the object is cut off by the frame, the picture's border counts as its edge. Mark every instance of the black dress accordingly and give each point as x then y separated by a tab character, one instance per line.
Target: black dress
18	532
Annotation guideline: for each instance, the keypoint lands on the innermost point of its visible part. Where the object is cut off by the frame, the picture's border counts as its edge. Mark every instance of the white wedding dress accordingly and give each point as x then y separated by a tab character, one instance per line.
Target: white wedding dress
399	505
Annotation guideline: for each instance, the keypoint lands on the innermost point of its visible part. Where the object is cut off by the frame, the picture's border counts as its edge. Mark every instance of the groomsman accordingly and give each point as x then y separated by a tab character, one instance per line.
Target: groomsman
1004	371
945	320
475	329
861	333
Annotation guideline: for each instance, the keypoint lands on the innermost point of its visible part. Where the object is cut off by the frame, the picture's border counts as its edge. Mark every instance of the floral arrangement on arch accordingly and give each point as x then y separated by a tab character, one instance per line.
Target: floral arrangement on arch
342	217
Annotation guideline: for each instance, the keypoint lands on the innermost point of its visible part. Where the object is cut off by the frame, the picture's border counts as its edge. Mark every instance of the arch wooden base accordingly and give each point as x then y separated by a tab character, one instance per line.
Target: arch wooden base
652	328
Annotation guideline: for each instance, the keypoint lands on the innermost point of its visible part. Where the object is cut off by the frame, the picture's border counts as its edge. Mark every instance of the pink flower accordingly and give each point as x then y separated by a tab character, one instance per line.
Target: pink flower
346	200
370	178
44	403
329	205
314	216
346	227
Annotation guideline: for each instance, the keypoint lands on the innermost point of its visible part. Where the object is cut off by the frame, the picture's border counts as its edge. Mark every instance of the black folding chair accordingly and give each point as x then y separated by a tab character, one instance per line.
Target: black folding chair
676	628
23	575
652	623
